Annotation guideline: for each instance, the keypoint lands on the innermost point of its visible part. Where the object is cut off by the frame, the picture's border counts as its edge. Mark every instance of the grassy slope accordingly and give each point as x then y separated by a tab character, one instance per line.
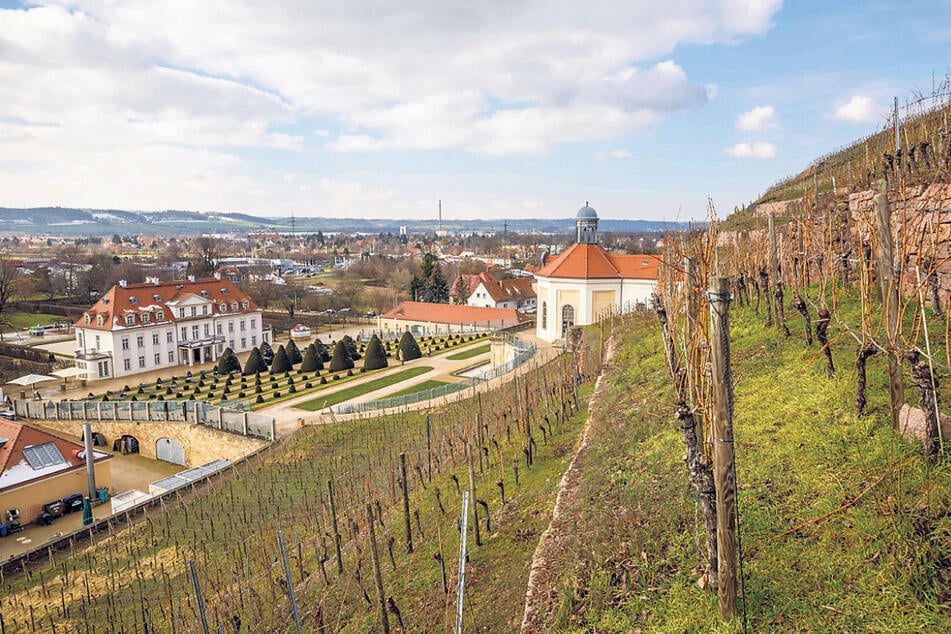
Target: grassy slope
28	320
801	453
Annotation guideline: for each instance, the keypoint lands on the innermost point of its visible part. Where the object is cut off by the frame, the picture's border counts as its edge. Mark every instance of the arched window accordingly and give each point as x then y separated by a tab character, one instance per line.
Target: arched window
544	315
567	318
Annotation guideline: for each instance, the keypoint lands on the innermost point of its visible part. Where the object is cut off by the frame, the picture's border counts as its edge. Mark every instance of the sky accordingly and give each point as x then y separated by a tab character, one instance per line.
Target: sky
498	108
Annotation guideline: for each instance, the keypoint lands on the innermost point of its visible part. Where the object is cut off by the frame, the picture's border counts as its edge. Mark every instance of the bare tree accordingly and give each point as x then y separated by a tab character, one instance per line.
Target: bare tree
9	274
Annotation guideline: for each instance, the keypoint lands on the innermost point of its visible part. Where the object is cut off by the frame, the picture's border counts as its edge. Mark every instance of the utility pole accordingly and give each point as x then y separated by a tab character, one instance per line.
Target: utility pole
897	143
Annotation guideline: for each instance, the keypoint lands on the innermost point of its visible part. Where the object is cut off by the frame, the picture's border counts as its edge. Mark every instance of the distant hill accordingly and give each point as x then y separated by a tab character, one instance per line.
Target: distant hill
68	221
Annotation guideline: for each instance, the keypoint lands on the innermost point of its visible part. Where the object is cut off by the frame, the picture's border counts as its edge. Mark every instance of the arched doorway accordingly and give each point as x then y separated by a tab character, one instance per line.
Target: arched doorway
567	318
126	444
170	451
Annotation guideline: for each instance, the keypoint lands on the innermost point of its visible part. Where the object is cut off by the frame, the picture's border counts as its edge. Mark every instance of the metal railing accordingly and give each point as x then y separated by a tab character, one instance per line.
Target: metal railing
524	351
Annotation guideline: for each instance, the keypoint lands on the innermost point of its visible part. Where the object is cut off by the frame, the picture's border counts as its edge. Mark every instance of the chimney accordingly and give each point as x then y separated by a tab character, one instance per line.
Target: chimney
123	283
191	278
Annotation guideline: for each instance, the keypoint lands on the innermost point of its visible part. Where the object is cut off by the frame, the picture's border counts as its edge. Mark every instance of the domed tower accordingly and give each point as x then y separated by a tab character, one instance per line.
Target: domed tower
587	224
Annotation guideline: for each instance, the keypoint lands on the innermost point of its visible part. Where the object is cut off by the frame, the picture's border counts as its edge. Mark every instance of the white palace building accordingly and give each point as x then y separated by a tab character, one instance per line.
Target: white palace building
585	283
136	328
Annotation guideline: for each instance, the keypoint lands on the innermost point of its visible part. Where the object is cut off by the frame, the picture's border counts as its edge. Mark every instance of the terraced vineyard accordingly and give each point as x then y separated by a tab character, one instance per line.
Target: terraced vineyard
343	496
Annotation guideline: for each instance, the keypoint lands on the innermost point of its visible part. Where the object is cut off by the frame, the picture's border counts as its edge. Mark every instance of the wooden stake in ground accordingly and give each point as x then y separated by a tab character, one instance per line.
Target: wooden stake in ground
777	281
377	575
723	465
405	484
889	289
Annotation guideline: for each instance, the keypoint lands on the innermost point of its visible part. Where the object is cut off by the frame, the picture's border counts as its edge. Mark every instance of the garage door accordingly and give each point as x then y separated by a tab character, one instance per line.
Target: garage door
170	451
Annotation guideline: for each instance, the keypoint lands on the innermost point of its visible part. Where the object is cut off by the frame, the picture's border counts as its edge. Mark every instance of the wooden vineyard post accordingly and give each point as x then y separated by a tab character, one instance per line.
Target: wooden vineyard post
377	575
333	517
289	581
777	280
461	581
889	291
690	288
406	518
723	465
198	598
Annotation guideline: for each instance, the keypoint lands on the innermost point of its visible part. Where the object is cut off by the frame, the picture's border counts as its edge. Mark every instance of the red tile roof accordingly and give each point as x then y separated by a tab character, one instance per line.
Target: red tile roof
591	261
19	437
148	298
453	314
518	288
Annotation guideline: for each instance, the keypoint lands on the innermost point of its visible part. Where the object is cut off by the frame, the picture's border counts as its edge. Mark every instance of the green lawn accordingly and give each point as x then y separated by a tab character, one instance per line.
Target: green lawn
471	352
28	320
361	389
420	387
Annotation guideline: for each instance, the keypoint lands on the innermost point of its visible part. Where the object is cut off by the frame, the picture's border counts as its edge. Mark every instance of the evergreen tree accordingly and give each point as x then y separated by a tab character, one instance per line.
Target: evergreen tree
267	353
351	347
255	363
281	363
309	362
375	355
228	362
323	352
293	353
317	356
341	358
409	349
429	284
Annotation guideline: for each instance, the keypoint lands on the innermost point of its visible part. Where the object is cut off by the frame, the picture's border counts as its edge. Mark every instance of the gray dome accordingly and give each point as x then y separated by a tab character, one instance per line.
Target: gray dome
587	212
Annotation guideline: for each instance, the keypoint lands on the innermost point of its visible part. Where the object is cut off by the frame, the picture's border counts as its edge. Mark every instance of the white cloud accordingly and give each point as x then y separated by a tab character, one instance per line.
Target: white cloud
613	154
752	150
859	109
161	93
756	120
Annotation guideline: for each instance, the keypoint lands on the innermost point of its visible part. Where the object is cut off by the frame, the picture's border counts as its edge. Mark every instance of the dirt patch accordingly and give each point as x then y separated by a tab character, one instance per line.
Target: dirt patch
541	593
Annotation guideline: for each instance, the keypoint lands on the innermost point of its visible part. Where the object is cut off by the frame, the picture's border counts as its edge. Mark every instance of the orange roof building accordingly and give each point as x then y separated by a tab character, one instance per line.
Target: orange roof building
422	318
38	467
585	283
136	328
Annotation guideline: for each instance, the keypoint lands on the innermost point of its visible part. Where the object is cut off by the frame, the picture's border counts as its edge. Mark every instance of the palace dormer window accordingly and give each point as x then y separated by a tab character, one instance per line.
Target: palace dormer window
130	320
133	299
234	306
145	318
223	308
160	315
204	293
244	305
87	319
181	313
100	319
157	297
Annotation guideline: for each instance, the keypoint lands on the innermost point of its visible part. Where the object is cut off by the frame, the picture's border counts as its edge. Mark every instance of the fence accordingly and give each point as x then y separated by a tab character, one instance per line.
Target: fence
523	353
199	412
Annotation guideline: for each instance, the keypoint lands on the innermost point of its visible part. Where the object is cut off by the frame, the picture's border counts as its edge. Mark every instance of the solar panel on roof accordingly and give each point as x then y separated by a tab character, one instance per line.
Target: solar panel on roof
45	455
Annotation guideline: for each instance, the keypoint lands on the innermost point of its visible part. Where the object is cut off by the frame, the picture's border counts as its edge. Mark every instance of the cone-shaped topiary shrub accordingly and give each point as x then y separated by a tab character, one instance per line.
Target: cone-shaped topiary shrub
255	363
375	355
309	362
341	359
351	347
293	353
281	362
228	362
409	349
267	353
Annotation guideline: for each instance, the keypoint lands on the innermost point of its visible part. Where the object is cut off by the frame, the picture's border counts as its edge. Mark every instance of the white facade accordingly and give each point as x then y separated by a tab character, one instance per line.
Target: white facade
563	303
186	330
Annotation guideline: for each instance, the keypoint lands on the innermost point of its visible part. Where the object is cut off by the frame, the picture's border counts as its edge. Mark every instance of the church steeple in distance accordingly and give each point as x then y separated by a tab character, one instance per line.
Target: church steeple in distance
586	223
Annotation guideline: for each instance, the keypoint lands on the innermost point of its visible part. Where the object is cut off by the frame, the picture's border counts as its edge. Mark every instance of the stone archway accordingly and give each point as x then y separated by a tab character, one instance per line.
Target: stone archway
170	451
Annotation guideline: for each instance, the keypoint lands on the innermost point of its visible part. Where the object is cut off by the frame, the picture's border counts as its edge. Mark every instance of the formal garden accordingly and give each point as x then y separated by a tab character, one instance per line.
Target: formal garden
269	376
